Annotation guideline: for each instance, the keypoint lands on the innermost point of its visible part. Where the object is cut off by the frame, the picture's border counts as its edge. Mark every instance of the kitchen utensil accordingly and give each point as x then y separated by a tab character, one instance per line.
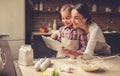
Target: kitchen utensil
110	57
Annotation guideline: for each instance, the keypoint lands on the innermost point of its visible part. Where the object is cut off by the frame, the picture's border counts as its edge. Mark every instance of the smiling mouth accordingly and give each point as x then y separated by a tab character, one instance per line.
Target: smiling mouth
75	24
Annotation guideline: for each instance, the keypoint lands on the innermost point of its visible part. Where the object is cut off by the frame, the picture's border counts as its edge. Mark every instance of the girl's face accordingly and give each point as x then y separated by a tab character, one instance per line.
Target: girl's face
77	19
66	18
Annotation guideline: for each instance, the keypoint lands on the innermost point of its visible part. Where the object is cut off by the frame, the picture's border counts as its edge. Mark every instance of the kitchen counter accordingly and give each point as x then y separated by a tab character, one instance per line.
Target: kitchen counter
9	67
110	67
39	33
113	40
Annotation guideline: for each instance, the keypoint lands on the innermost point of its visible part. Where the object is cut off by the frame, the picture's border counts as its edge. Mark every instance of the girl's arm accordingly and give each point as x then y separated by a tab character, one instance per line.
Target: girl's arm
55	35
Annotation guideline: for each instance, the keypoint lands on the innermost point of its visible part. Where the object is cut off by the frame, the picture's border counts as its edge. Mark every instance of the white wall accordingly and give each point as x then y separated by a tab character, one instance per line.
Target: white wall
12	17
12	22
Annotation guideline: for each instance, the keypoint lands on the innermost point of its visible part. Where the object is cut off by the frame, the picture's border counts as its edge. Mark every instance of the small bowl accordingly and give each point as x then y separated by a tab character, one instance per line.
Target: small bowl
92	63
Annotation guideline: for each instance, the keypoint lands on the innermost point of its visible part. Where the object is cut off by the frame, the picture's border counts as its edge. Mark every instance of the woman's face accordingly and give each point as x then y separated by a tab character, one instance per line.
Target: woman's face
77	19
66	18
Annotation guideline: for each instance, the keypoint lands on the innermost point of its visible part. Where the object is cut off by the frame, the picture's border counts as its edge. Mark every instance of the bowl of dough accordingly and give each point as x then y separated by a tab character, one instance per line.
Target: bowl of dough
89	63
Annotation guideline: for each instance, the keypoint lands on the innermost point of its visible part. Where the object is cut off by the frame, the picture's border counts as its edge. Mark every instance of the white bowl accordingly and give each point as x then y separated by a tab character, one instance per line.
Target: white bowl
90	64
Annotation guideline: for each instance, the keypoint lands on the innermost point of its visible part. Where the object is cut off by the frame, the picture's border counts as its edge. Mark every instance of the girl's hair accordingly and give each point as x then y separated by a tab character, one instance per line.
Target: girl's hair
83	9
66	7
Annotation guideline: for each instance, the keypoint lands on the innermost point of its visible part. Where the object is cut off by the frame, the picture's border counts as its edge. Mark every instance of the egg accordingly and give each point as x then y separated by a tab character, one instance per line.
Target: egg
38	64
67	69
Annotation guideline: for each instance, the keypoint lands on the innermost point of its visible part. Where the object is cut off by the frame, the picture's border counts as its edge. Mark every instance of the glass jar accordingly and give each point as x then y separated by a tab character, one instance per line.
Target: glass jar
26	55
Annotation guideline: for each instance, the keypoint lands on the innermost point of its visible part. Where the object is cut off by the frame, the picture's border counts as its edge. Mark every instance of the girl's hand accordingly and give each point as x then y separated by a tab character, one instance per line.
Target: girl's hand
54	36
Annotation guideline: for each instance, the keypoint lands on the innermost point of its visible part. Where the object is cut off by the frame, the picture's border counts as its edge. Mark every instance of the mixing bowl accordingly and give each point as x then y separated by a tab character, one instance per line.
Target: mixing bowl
91	63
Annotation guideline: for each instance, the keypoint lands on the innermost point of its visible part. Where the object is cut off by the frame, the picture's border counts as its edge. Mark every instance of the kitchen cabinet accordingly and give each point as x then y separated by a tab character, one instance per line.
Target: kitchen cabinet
40	48
113	39
107	13
107	16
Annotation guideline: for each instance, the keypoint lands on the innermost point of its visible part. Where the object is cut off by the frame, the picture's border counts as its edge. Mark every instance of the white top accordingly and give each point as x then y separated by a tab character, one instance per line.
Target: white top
95	35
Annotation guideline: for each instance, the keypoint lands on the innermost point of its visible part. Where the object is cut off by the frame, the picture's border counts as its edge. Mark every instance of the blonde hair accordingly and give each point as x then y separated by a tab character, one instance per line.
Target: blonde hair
66	7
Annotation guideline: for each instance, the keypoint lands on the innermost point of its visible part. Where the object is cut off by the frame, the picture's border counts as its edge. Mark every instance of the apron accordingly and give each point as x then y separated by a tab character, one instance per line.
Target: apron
69	44
102	48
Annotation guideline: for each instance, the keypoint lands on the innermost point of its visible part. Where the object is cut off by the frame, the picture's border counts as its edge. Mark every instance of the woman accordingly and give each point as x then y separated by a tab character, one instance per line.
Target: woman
96	42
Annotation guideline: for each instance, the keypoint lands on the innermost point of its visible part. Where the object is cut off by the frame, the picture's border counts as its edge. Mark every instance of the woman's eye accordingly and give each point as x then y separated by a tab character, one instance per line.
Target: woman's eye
76	18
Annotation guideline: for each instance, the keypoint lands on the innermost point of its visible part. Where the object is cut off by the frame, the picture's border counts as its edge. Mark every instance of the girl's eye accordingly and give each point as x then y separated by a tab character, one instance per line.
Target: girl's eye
68	17
63	18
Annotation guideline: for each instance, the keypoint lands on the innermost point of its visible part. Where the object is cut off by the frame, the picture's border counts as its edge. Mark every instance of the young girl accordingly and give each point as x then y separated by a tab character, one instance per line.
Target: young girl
71	37
65	12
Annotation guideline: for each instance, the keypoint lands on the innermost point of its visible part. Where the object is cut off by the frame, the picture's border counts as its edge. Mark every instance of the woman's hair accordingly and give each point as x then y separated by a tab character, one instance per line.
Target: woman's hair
83	9
66	7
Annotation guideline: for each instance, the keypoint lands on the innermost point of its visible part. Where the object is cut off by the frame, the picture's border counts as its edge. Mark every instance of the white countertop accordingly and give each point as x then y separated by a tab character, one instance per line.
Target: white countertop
110	32
39	33
110	68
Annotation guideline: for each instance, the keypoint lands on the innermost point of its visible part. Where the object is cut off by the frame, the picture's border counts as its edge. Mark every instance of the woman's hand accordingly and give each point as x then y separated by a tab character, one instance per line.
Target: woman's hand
65	51
74	54
71	53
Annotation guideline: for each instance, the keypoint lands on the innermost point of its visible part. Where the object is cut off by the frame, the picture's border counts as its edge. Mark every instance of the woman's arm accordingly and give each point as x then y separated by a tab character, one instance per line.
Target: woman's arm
93	36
